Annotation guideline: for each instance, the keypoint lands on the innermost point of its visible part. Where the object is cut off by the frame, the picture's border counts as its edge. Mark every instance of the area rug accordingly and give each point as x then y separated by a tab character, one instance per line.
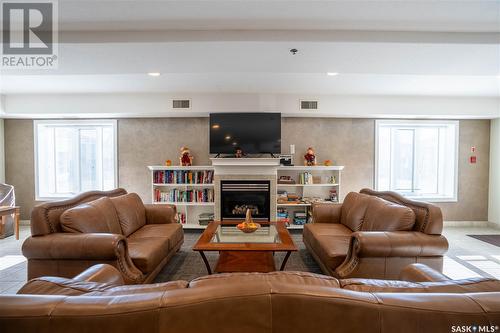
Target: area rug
490	239
188	265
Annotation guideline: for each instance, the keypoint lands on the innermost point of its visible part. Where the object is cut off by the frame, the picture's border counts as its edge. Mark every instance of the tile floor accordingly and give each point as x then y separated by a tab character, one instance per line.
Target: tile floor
467	257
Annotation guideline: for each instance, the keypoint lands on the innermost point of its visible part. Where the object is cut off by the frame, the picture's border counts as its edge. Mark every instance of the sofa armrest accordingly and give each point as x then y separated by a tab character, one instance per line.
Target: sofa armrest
397	244
101	273
421	273
160	214
93	246
97	278
326	212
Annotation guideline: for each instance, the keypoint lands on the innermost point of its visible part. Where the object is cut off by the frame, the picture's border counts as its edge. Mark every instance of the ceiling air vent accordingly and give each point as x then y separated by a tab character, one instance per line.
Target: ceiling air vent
308	105
181	103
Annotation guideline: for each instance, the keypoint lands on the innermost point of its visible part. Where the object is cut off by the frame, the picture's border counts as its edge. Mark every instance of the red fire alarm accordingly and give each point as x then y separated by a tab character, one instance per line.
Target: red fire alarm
473	160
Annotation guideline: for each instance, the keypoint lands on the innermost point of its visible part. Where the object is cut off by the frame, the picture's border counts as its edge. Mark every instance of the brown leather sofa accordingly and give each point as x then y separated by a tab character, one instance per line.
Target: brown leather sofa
102	227
278	302
374	235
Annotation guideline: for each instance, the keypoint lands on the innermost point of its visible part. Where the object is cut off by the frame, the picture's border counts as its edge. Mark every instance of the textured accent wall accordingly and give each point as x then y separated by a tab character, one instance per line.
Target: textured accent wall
19	163
151	141
348	142
473	179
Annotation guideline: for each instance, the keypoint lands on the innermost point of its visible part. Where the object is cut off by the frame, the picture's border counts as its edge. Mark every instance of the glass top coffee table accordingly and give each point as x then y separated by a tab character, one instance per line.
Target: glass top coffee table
242	252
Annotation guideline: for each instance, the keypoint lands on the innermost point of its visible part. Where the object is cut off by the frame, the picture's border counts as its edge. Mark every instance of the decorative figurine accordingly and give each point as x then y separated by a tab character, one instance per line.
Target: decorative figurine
309	157
168	162
238	152
186	158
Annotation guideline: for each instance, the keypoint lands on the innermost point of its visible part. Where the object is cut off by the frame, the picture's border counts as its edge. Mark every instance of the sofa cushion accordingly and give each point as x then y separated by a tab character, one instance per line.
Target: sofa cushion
146	254
131	212
141	288
95	216
332	250
50	285
333	229
278	278
383	215
370	213
171	231
353	210
472	285
328	241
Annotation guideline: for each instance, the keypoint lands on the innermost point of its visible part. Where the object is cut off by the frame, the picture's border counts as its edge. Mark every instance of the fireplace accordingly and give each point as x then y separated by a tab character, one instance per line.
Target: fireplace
239	195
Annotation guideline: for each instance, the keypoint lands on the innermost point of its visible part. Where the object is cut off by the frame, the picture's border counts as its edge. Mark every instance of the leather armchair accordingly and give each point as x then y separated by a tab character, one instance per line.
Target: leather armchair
278	302
374	235
138	250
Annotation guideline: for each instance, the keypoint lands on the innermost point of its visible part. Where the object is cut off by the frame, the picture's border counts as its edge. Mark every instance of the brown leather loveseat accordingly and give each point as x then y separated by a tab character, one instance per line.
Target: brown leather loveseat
374	235
95	227
278	302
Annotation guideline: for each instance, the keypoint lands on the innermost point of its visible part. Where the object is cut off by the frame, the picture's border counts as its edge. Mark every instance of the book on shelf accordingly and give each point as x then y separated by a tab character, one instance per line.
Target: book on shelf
282	216
205	218
181	218
179	195
306	178
183	177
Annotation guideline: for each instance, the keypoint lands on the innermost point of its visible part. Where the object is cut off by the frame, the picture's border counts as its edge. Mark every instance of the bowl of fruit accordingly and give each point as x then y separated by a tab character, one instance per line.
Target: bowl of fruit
248	226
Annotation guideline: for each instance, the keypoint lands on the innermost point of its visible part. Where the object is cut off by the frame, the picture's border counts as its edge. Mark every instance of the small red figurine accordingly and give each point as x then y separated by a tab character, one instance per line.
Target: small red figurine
186	158
309	157
238	153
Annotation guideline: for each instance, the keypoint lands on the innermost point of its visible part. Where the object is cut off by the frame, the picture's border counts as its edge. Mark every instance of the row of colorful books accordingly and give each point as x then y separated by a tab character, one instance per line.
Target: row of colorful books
176	195
183	177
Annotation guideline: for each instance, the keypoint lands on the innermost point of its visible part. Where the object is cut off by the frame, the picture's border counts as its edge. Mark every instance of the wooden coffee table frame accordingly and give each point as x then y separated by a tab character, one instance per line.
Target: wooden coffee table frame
245	257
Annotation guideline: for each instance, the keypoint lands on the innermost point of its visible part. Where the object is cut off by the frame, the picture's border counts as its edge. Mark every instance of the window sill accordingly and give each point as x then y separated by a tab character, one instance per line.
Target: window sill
433	199
46	199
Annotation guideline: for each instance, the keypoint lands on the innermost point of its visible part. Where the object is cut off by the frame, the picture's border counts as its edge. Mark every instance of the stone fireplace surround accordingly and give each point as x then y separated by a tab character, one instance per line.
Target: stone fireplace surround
245	169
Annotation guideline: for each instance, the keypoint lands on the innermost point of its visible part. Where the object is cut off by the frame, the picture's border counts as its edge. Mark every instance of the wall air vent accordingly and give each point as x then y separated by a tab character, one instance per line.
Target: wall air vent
181	103
308	105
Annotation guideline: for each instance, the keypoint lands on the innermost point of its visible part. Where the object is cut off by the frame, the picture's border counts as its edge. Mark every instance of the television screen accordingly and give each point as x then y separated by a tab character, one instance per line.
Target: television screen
254	133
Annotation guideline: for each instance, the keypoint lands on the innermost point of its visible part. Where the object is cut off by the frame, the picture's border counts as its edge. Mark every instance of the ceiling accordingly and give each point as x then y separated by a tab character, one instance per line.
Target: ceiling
407	48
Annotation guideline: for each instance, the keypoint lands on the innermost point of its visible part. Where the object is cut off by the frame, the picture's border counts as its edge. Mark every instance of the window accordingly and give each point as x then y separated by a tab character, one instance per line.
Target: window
74	156
417	158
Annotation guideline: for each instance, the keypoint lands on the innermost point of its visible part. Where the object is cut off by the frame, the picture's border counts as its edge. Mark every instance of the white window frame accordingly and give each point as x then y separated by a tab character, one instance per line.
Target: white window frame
93	122
416	123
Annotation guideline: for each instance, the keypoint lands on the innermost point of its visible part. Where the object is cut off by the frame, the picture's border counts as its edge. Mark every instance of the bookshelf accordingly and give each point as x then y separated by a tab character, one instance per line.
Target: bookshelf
310	184
189	188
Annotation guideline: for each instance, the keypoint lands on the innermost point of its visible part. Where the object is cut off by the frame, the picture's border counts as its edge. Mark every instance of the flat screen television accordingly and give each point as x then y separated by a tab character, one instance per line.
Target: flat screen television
253	133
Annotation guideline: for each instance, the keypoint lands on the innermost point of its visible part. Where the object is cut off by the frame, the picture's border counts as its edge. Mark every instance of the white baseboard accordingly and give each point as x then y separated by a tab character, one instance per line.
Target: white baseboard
476	224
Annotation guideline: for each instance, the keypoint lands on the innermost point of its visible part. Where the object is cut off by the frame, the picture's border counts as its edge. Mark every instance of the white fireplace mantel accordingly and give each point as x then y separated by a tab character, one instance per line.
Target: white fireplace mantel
245	166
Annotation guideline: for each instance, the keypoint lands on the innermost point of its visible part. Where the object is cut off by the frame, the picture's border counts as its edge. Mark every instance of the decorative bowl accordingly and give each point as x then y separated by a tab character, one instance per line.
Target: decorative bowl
248	227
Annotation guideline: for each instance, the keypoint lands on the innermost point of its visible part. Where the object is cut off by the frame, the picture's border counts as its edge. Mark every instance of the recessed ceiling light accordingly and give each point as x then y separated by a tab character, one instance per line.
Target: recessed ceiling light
215	126
154	74
332	73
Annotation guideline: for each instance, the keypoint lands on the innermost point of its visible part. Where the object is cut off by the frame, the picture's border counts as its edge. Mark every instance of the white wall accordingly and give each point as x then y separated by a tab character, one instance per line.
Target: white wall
159	105
494	188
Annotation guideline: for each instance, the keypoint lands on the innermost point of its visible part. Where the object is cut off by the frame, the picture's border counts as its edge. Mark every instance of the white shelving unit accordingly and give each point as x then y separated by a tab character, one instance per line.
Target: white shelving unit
191	210
320	189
